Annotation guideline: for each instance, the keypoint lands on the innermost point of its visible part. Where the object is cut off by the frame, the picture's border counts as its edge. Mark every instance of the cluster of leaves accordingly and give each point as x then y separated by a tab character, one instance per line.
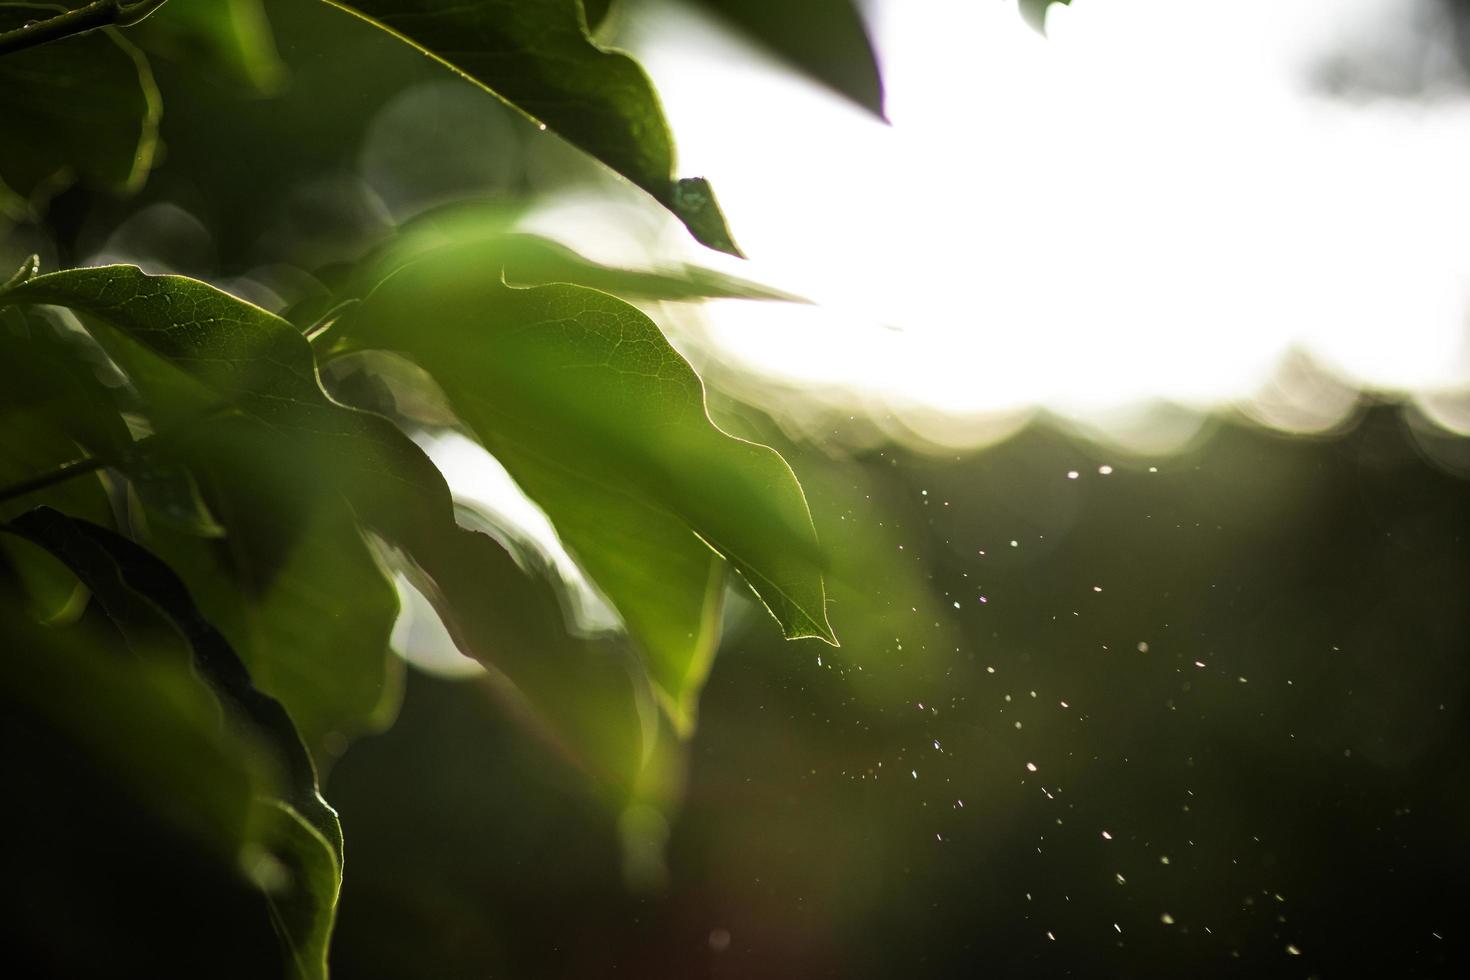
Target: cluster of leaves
206	505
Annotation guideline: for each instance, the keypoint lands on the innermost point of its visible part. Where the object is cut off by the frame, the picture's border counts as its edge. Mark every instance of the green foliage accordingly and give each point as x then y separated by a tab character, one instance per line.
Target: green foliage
83	108
153	614
538	56
604	425
230	36
209	508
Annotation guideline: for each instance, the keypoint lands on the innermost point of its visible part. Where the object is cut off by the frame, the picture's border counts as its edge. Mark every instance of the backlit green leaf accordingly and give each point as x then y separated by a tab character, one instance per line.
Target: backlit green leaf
525	259
217	349
604	425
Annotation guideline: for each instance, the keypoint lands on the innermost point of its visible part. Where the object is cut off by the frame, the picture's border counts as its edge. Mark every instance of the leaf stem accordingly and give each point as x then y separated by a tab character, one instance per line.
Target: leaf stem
62	473
98	13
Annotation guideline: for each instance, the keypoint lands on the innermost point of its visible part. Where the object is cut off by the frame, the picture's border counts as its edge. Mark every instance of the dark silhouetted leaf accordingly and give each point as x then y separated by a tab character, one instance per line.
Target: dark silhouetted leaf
539	58
84	107
825	39
153	611
149	722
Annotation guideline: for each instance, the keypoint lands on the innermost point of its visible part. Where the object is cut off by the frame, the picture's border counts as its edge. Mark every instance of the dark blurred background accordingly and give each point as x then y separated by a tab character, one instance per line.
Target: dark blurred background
1249	745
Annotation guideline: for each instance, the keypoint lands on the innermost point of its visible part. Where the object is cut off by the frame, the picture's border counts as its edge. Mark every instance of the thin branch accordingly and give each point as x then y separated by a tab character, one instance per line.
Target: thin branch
62	473
98	13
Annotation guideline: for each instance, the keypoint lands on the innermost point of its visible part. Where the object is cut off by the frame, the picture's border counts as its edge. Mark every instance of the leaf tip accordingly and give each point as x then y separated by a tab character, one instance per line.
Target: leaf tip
693	202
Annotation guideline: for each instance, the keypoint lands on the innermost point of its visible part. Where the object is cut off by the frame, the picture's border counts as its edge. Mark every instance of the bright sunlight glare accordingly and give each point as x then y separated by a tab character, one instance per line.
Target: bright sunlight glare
1159	203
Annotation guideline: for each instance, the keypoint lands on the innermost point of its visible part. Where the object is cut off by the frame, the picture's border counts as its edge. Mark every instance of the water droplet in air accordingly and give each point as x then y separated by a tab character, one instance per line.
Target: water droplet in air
1030	767
1106	835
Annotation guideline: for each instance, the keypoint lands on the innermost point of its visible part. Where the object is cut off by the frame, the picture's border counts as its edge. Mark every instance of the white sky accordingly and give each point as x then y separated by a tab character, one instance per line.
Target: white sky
1154	203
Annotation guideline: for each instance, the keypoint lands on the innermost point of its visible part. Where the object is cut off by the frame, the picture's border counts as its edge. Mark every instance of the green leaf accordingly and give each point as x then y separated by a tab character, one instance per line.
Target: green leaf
81	108
52	386
153	611
234	35
825	39
596	11
314	629
295	559
149	722
604	425
1034	12
219	349
303	905
537	56
526	259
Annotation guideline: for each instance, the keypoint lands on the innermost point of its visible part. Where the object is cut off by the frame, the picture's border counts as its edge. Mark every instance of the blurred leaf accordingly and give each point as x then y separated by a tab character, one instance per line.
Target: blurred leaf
1034	12
27	270
315	630
152	610
825	39
151	725
237	354
603	424
526	259
82	108
596	11
539	58
303	908
230	34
